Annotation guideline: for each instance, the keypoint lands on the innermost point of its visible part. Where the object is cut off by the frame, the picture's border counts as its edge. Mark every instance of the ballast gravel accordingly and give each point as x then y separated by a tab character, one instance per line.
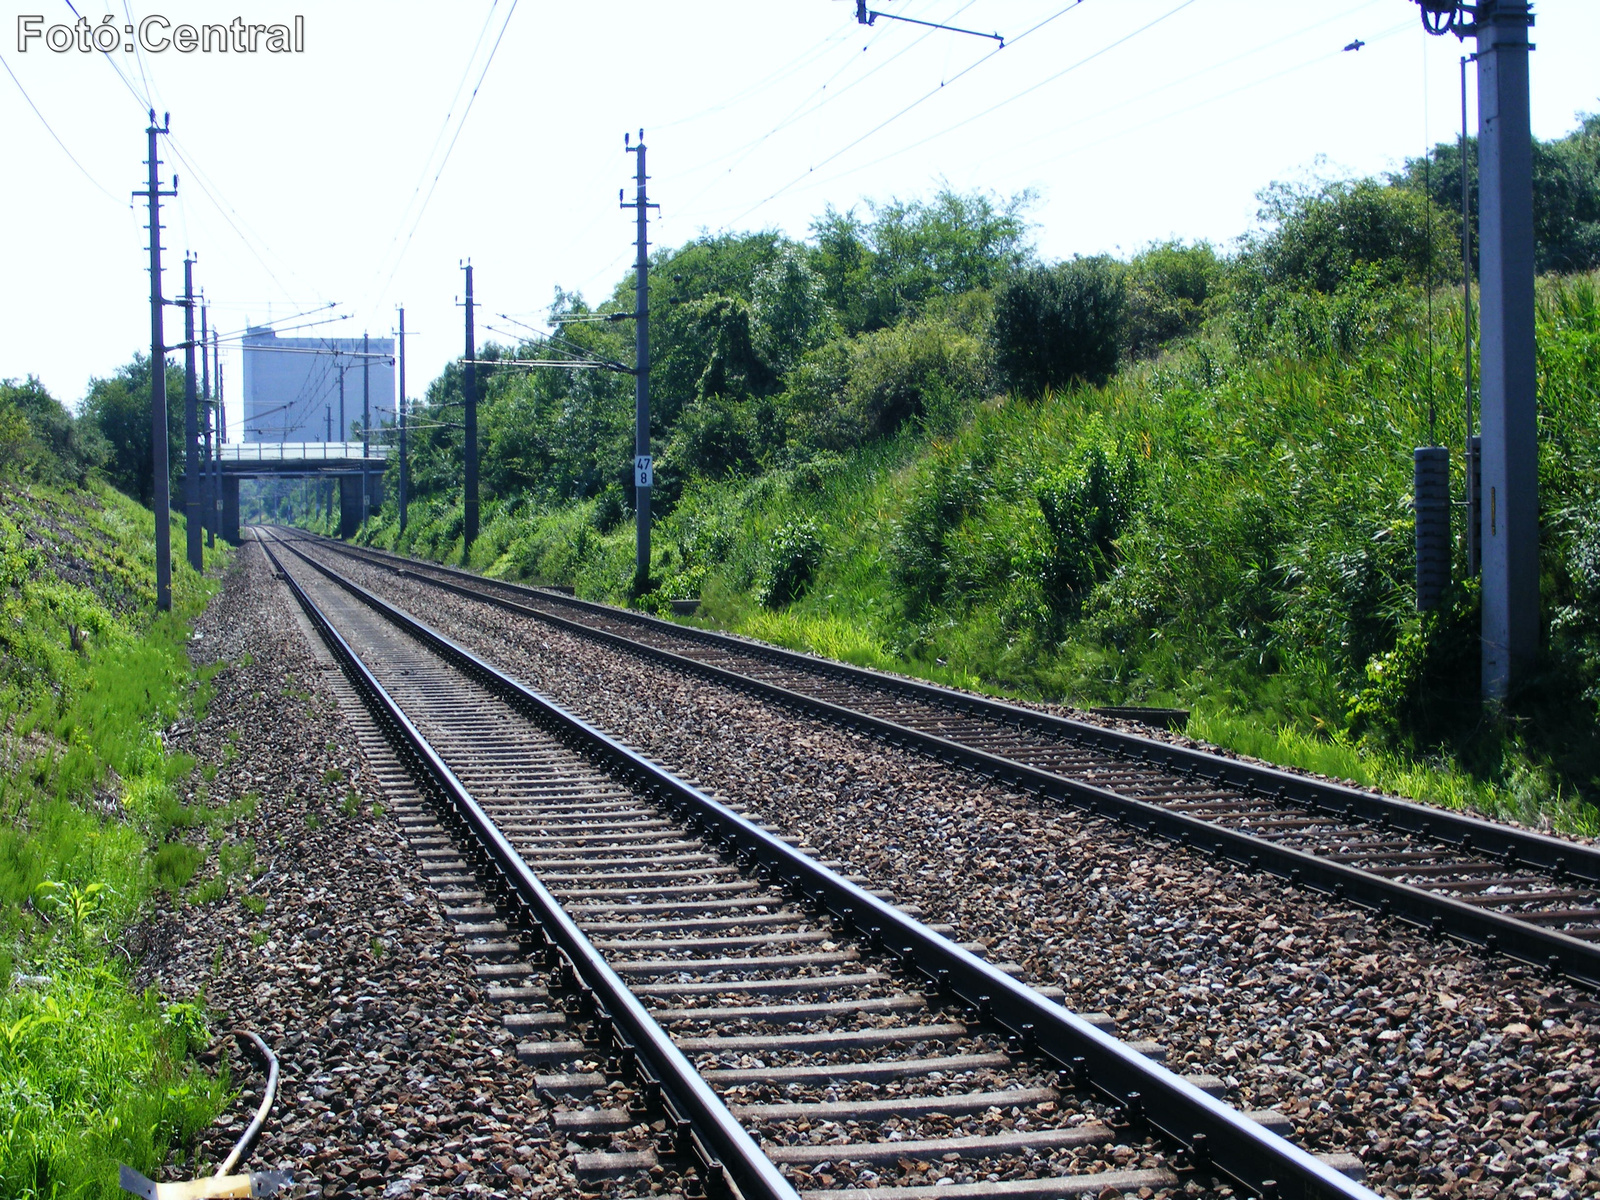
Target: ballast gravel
398	1078
1447	1074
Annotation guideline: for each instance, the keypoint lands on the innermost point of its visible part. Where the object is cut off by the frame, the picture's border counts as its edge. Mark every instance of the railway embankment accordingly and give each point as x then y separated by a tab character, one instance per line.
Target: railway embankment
310	923
1446	1074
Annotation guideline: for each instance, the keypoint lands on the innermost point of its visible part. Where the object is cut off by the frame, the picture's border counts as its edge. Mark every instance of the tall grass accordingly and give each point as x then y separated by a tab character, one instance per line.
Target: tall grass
91	1074
1227	528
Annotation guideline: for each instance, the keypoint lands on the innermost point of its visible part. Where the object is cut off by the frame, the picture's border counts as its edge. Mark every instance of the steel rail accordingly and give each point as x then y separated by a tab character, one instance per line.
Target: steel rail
1528	847
1554	952
681	1086
1215	1135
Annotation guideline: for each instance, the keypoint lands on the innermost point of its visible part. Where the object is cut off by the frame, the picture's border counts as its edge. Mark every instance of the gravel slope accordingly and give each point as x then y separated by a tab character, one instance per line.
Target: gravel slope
397	1076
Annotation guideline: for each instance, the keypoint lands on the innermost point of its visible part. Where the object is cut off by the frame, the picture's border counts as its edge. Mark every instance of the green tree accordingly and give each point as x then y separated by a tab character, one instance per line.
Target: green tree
874	272
117	410
1566	195
1320	237
39	437
1056	326
1169	287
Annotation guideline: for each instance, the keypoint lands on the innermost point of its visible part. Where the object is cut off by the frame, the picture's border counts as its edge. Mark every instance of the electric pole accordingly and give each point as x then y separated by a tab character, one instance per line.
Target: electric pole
341	403
160	469
401	409
470	420
366	430
643	465
191	423
222	434
1508	532
209	517
327	433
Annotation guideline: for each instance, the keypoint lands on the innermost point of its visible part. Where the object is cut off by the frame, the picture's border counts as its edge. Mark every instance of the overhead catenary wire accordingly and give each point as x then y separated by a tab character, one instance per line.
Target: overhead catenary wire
444	126
1081	118
795	115
51	131
212	193
1302	65
445	161
887	121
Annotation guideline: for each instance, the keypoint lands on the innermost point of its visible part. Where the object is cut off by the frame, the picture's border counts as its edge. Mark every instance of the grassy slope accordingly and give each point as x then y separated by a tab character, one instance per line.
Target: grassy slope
91	1074
1266	565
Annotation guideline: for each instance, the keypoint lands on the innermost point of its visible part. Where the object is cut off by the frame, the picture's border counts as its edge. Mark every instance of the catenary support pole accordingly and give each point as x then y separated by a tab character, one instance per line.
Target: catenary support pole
643	464
191	423
208	498
221	432
366	432
160	469
1470	486
400	408
1507	379
344	430
469	382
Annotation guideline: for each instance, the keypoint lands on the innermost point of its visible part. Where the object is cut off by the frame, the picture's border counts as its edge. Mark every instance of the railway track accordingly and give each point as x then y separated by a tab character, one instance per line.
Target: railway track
1498	888
703	994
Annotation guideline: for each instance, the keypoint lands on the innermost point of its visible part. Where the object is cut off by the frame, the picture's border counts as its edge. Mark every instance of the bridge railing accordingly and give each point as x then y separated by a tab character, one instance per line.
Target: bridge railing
244	452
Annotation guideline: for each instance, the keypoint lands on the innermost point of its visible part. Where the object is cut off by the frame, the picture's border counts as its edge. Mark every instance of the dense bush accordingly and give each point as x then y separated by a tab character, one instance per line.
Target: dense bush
794	552
1170	286
1320	237
1057	326
1085	503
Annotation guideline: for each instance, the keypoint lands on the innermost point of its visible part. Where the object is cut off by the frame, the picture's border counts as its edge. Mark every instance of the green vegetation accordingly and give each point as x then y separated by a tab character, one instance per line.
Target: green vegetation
1178	479
91	1073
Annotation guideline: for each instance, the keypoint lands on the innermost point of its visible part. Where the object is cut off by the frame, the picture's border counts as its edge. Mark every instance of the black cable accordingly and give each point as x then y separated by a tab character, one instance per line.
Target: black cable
919	100
462	124
54	134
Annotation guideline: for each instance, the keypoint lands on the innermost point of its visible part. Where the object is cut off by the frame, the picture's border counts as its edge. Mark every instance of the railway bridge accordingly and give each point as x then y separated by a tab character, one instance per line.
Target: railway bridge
358	469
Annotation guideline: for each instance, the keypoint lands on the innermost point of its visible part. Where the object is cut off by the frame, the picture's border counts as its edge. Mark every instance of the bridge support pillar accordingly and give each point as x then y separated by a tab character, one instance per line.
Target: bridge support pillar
349	505
230	509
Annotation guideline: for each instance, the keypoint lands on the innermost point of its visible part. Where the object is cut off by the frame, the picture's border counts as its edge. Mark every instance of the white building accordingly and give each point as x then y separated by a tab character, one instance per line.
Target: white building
291	386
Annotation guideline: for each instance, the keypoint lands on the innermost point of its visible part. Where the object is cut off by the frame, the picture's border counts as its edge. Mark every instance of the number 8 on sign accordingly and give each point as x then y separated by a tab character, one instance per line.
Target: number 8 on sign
643	471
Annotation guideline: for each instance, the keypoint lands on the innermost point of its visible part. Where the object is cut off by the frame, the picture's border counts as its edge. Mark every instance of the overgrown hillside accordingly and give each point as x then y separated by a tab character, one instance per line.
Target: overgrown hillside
91	1073
1179	478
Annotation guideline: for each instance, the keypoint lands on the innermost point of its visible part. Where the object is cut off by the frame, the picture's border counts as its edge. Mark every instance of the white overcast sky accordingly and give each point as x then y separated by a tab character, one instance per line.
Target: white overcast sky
1132	120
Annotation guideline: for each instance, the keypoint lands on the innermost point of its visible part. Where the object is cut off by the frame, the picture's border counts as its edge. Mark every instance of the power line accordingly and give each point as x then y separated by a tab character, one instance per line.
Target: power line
1220	96
462	124
54	134
422	175
919	100
795	114
1168	86
212	193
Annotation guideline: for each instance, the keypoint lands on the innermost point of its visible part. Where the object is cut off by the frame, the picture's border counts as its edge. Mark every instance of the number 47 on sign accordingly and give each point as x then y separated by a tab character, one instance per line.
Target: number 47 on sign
643	471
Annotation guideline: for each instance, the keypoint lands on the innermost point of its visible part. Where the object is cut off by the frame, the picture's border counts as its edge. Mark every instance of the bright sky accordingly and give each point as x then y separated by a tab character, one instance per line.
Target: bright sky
302	178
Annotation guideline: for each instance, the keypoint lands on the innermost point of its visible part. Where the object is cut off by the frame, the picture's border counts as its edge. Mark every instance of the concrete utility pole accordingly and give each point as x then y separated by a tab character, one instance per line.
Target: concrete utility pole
161	480
366	431
222	434
191	423
1509	525
643	465
208	495
1508	408
1469	395
400	408
470	420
